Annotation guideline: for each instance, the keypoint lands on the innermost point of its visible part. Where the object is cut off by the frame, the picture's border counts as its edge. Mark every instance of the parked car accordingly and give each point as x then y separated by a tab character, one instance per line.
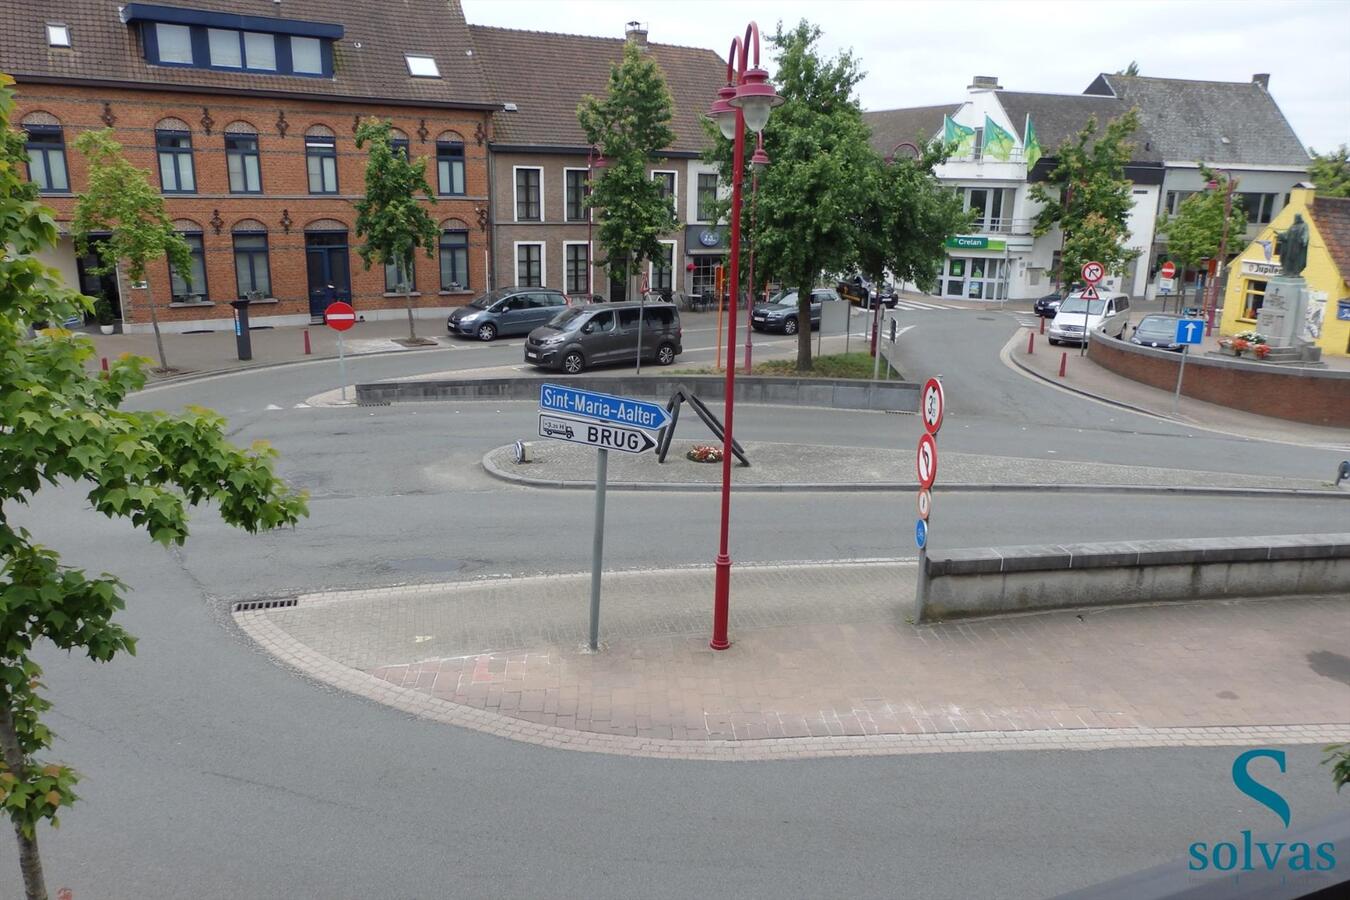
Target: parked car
595	334
1157	331
1109	313
508	310
780	313
1047	306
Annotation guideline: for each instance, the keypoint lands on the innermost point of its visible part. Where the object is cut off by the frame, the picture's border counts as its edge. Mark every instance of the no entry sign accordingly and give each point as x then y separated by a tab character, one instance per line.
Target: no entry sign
932	405
1169	270
339	316
925	461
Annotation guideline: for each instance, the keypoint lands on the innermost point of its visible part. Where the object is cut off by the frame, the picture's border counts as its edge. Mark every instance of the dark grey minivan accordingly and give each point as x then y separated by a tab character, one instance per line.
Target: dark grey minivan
583	336
508	310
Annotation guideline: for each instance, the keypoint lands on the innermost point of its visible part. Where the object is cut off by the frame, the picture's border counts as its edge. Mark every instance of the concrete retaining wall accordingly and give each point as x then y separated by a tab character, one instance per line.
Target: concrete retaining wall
840	393
990	581
1301	394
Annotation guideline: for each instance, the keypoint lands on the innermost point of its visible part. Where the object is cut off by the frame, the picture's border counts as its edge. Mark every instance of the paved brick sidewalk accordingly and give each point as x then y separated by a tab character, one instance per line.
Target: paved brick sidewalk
823	662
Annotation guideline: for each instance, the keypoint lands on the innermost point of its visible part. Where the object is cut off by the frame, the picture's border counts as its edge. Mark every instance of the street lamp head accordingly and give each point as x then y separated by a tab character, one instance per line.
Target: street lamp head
723	113
756	98
761	159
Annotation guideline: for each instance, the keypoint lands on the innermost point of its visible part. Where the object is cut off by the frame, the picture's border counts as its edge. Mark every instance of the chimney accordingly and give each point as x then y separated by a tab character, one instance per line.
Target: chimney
1263	79
984	83
636	33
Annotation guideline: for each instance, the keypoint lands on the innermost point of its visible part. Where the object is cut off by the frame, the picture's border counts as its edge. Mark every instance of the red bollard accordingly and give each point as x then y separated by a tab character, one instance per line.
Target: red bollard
1031	342
105	366
307	342
1042	324
1063	363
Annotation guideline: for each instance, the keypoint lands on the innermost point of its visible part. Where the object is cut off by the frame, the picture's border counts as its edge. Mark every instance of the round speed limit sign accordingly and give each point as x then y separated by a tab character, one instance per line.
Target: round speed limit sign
932	404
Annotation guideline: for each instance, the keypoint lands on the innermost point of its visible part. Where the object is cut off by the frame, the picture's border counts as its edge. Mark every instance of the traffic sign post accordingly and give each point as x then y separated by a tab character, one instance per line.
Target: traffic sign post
1168	270
1189	331
925	461
932	405
606	423
932	408
340	316
1087	295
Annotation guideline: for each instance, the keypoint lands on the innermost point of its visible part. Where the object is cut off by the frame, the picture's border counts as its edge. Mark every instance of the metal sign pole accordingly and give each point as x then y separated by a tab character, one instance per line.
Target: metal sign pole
342	365
641	300
921	587
876	360
598	543
1181	371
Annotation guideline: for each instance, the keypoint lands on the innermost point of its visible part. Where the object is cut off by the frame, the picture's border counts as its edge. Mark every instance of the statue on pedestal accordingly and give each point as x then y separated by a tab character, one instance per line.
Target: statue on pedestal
1292	245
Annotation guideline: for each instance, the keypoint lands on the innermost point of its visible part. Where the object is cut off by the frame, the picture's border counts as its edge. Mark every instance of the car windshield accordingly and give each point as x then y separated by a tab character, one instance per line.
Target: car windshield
788	298
1158	325
567	318
1078	305
490	298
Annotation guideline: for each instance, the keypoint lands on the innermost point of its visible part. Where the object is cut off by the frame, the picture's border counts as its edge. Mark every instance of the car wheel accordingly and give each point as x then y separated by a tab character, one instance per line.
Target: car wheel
665	354
487	332
790	326
1054	343
573	362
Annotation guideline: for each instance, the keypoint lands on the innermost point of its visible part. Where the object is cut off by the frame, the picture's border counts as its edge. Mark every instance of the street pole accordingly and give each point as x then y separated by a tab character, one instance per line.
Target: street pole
747	93
342	366
598	542
1181	371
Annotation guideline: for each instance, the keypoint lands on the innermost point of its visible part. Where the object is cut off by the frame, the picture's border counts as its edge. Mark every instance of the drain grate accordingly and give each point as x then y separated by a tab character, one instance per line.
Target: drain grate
252	605
374	403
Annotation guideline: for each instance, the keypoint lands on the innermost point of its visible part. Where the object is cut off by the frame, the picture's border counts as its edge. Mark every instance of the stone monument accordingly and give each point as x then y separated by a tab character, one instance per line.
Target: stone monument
1284	308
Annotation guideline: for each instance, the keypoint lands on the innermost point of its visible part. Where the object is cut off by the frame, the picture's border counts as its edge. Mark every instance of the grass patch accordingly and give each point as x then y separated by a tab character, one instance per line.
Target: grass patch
834	365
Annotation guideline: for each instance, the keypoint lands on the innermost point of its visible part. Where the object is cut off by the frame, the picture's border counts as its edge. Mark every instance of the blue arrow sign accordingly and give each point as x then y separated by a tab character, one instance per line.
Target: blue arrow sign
920	533
603	407
1190	331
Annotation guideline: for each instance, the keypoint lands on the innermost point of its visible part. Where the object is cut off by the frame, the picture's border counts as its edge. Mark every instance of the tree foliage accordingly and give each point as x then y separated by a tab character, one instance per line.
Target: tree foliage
906	217
805	210
630	126
1088	196
1330	172
127	213
1197	230
61	424
391	216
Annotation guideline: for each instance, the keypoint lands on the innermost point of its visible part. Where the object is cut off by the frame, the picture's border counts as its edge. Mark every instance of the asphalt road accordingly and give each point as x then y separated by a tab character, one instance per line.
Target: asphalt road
210	771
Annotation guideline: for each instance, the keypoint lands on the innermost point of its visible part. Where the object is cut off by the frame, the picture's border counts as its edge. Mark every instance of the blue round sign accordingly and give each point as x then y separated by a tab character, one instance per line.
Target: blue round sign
920	533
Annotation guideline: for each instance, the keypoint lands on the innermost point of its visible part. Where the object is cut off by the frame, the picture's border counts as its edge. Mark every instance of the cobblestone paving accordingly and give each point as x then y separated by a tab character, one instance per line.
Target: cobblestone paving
823	662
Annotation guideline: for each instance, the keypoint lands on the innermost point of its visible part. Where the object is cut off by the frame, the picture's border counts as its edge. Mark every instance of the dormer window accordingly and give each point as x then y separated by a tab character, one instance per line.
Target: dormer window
422	66
173	36
58	35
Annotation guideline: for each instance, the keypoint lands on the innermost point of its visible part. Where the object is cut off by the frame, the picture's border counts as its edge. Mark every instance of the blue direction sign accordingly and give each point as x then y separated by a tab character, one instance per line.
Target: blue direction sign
920	533
574	402
1190	331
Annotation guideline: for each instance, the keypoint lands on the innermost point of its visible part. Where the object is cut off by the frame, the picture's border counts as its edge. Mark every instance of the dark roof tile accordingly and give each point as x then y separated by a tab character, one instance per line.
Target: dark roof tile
915	124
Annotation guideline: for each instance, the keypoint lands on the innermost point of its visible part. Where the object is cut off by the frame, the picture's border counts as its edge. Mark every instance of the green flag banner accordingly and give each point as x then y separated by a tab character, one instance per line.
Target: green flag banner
961	135
998	141
1031	144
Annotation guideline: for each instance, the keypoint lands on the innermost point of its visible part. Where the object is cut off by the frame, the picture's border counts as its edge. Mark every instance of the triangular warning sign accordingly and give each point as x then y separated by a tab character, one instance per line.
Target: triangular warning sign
1089	293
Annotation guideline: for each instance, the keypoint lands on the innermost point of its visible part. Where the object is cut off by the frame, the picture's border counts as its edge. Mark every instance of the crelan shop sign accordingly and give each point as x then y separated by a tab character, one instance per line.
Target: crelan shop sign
974	242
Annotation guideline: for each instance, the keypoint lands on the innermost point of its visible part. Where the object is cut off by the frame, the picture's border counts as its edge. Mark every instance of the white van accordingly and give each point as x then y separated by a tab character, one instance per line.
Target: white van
1109	314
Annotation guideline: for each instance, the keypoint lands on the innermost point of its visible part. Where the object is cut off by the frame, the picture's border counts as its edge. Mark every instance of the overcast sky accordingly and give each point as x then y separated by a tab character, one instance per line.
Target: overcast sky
921	53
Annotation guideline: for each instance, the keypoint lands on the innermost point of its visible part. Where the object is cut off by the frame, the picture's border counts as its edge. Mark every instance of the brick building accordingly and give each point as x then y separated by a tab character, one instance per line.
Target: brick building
539	160
244	113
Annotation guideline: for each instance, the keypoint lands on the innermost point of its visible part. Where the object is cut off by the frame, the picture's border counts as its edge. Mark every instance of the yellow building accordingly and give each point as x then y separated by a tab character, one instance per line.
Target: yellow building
1327	274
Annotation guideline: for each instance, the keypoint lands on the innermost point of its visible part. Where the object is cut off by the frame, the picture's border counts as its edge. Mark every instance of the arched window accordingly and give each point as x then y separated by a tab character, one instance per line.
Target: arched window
454	255
321	159
398	139
450	164
252	268
46	146
192	287
241	158
173	146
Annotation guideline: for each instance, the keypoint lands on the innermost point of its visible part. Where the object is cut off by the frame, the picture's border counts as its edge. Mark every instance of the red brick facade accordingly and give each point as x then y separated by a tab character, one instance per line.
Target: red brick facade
285	208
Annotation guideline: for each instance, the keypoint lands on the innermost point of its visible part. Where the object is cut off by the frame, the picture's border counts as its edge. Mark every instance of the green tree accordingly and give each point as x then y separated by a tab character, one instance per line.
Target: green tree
1330	173
1132	69
123	208
805	210
390	216
59	423
1197	230
1088	196
1338	757
906	217
630	126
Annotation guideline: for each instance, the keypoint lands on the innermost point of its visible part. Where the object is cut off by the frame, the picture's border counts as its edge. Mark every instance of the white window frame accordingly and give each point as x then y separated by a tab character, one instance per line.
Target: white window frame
58	34
417	65
567	169
676	196
515	199
543	258
590	264
651	266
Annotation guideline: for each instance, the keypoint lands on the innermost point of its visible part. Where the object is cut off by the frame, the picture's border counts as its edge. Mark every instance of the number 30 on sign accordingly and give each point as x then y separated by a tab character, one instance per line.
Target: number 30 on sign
932	405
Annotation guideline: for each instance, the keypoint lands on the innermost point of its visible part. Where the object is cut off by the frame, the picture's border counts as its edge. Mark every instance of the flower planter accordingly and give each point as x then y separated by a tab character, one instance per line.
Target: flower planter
106	329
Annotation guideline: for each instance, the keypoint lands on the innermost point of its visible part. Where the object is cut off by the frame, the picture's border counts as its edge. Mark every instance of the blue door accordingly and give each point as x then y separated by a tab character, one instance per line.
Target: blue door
330	276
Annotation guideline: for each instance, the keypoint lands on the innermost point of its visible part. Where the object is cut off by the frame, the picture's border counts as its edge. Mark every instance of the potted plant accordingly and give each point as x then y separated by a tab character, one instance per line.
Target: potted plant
1248	340
1261	350
103	314
1240	344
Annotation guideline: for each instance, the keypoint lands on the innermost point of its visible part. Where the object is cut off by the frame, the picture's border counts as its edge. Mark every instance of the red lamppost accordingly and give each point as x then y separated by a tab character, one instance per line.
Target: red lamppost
758	162
745	102
594	160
